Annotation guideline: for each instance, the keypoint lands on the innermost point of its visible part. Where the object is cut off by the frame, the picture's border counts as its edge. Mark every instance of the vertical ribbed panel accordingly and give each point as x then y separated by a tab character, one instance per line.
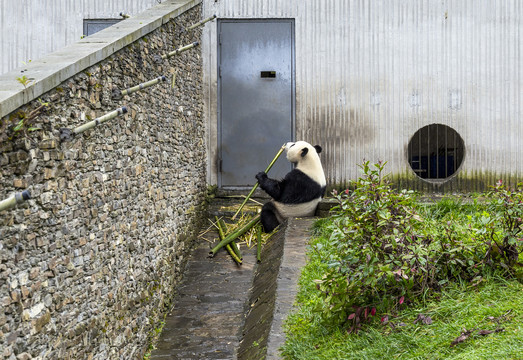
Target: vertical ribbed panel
29	29
369	74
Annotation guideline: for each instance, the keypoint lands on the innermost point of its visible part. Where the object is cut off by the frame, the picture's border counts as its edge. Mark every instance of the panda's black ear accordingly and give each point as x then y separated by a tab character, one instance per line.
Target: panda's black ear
304	151
318	148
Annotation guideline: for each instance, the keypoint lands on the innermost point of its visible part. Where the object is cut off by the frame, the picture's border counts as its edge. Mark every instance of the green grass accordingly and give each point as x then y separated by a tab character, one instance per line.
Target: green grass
458	307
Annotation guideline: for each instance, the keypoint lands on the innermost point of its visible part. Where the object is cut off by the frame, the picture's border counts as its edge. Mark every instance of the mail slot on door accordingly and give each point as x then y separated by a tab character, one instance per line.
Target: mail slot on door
268	74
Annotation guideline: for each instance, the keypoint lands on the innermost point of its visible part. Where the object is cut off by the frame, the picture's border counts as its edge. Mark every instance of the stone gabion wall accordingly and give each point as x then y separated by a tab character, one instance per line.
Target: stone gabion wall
88	265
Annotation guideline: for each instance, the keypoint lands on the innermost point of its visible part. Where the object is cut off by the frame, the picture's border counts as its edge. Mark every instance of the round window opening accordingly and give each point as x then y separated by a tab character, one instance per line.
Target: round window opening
435	151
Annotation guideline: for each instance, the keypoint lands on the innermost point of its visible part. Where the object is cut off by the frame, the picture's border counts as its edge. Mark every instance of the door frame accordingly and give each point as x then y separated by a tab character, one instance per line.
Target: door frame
219	91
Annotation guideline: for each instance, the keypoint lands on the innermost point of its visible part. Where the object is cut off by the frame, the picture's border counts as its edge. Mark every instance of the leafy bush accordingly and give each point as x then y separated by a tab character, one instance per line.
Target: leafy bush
383	252
501	227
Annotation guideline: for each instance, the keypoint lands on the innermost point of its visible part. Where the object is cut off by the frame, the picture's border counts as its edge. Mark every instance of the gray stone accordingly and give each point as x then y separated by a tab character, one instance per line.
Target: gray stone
24	356
95	231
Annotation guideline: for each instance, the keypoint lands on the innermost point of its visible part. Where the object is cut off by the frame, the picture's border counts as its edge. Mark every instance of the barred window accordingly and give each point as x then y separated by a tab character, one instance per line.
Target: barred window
435	151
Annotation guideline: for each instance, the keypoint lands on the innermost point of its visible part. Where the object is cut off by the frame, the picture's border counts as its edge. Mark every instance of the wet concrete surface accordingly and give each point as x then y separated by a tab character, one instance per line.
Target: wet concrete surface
209	309
294	258
226	311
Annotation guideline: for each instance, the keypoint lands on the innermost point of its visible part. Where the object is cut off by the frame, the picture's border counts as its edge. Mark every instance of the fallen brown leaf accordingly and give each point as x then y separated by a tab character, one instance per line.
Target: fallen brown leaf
486	332
464	336
427	320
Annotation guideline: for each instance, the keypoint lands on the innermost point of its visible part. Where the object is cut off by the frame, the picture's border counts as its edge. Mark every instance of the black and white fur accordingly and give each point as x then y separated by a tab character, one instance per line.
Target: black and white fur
300	191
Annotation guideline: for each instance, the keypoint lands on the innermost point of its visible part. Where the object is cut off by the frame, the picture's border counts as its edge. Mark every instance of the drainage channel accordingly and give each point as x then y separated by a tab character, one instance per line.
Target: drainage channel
225	311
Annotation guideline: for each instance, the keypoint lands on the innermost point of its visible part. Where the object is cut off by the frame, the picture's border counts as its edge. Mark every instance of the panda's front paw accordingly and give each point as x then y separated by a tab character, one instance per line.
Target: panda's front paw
261	176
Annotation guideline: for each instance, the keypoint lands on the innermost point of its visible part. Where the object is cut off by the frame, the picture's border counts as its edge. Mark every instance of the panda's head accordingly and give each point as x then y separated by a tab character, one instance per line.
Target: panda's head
306	158
297	151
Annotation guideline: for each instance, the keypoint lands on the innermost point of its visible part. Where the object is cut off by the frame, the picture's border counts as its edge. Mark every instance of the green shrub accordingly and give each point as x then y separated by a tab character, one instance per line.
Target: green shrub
385	250
381	253
501	227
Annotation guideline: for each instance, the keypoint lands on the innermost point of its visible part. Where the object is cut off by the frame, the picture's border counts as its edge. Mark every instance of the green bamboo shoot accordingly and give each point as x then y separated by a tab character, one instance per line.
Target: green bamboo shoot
221	233
235	248
256	185
235	235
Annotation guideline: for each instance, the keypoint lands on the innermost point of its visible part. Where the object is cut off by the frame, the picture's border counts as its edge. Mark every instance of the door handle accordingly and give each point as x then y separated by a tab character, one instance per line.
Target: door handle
268	74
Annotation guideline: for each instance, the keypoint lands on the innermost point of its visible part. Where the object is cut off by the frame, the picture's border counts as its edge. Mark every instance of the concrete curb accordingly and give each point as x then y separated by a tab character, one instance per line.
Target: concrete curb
294	258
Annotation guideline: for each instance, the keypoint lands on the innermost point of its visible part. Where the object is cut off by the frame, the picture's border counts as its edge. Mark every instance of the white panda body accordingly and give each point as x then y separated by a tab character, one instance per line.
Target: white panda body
286	211
299	192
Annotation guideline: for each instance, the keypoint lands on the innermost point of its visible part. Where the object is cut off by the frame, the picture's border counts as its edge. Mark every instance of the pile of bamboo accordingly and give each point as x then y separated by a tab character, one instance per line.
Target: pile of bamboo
246	225
243	231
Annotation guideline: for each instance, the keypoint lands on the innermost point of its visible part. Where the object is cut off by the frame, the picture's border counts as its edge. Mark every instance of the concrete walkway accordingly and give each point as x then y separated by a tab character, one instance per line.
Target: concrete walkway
296	238
225	311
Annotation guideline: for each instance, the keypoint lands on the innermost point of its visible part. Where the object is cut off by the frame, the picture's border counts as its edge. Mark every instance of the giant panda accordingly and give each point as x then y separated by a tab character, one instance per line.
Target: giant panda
300	191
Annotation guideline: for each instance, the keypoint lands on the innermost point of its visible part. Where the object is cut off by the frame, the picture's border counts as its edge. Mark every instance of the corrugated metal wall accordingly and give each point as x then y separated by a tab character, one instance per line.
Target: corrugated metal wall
30	29
369	74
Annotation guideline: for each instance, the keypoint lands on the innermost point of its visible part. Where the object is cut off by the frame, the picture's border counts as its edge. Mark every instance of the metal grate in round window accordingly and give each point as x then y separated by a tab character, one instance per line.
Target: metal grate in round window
435	151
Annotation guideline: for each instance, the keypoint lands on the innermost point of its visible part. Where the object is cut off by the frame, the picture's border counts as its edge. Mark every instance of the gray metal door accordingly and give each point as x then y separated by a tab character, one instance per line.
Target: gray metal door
256	98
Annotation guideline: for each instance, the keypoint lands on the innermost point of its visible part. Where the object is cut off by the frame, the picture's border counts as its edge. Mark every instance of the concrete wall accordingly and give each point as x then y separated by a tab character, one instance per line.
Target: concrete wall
88	265
369	74
32	29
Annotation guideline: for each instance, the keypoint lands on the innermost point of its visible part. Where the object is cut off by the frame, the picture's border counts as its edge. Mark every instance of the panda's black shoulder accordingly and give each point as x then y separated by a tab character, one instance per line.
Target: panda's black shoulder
297	187
299	176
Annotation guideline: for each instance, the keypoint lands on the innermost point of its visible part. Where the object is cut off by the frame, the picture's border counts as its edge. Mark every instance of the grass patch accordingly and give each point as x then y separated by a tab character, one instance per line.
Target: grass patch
494	303
458	307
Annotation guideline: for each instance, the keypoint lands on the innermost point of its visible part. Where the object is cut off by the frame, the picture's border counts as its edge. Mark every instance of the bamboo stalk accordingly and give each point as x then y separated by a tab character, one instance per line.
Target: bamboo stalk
234	246
233	254
236	250
235	235
256	185
221	233
258	247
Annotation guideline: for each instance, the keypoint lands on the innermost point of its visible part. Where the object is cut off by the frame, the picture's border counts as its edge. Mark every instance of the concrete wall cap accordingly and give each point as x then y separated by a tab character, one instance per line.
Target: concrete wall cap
48	72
